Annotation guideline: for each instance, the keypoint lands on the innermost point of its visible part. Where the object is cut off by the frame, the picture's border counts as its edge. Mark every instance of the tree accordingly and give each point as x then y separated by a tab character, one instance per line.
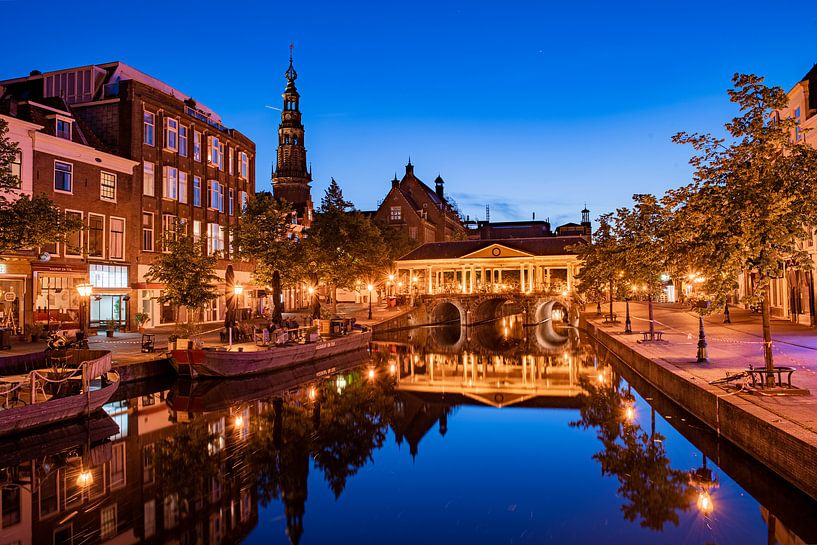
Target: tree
396	240
751	200
264	235
26	222
602	261
187	273
342	245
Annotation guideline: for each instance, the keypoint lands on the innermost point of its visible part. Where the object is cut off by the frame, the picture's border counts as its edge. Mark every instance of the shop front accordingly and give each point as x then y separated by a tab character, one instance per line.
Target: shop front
56	301
110	302
13	277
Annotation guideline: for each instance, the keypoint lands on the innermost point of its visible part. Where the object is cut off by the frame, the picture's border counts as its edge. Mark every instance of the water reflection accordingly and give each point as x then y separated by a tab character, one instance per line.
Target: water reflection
204	462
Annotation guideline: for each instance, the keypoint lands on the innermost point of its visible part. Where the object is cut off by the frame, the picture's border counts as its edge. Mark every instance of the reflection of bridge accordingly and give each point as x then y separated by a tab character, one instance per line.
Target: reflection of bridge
473	309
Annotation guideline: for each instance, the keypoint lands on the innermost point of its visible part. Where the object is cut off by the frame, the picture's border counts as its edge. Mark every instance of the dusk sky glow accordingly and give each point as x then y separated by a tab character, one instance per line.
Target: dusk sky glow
529	107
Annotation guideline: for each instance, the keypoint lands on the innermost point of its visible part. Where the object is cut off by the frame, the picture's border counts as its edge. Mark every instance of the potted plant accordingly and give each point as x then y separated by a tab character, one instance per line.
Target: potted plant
183	334
141	319
110	327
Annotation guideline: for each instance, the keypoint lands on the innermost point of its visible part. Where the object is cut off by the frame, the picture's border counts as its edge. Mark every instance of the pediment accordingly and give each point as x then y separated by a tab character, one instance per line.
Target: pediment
496	251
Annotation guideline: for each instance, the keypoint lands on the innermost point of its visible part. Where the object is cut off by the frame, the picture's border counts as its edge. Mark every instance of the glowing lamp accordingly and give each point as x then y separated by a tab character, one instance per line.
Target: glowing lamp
85	290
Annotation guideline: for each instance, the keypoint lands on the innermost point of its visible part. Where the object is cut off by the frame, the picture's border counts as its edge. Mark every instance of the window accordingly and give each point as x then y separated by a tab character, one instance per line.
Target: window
107	186
215	196
231	194
798	133
243	165
11	506
230	159
63	128
169	223
147	231
170	183
148	469
17	168
182	187
107	522
172	134
197	145
413	233
116	238
196	232
73	241
196	191
215	239
148	179
215	152
242	197
62	176
183	141
49	497
149	128
96	235
396	213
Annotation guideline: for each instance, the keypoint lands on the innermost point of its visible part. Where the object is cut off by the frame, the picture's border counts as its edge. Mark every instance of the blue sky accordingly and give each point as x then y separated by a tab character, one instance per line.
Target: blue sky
526	106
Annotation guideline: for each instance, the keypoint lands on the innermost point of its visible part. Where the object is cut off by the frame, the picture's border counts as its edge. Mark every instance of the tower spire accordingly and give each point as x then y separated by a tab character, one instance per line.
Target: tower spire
291	74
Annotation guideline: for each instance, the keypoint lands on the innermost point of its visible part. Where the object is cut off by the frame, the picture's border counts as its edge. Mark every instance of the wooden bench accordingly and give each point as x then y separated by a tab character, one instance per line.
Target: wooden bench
760	376
610	318
658	335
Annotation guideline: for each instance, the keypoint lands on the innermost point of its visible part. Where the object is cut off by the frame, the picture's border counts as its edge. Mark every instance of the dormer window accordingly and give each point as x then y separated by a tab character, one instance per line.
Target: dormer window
63	128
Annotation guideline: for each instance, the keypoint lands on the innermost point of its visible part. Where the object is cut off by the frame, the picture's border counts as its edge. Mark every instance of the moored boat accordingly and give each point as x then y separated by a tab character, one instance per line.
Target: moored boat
230	364
48	395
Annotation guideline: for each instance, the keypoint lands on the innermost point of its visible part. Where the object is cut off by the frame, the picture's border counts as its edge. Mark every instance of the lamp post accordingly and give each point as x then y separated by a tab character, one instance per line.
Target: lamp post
370	287
628	325
238	289
84	291
701	341
726	318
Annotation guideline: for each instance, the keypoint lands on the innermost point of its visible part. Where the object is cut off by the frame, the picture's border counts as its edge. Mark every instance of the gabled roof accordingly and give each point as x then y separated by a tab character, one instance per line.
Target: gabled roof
539	246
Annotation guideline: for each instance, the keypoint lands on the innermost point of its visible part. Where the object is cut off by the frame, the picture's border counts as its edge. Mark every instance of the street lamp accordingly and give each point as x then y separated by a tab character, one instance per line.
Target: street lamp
628	325
84	291
389	283
370	287
238	289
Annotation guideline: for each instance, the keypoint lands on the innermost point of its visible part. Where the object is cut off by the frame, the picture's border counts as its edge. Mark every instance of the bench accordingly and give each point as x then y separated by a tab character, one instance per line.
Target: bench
658	335
610	318
760	376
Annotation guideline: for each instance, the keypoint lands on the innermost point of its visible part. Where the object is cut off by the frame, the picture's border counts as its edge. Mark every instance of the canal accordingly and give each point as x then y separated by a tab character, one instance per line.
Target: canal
501	433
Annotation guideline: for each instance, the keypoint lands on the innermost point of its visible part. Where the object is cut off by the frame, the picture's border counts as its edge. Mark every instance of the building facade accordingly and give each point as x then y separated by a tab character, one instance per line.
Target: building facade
423	214
189	169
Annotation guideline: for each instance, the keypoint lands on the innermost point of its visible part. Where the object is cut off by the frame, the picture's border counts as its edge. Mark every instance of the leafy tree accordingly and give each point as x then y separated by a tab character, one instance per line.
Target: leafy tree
342	245
26	222
751	200
602	261
396	240
187	273
8	153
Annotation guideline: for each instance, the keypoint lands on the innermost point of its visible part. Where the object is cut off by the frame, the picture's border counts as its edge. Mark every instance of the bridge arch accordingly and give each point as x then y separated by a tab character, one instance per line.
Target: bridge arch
552	317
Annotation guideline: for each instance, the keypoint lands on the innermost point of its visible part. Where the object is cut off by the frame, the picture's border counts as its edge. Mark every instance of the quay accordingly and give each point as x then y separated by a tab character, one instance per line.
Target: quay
778	431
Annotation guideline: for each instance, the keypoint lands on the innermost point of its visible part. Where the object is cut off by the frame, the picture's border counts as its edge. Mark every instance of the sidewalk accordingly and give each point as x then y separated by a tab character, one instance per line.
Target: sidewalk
731	348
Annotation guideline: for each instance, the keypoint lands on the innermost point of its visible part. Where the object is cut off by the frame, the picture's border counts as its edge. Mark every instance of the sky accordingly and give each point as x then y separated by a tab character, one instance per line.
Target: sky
529	107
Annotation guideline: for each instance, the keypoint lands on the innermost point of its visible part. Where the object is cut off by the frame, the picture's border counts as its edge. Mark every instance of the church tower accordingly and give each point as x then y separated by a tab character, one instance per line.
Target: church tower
291	179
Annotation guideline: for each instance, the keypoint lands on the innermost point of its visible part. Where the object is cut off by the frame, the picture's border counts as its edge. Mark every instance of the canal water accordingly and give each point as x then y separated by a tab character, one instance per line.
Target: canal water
500	434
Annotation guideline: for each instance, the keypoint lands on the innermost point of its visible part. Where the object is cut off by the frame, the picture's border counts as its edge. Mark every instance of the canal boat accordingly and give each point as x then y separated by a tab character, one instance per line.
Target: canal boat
203	396
60	392
202	363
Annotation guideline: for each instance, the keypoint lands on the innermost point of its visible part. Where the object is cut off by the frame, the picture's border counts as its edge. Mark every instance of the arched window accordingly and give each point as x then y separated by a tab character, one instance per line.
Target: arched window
295	140
286	139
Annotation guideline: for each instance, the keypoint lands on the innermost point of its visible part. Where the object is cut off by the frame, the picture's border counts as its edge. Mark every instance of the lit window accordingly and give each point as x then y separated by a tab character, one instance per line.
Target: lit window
196	232
147	231
396	213
96	235
243	165
107	186
197	145
215	196
215	152
215	239
148	179
171	183
149	128
196	191
230	159
62	176
183	187
172	134
183	141
116	238
107	522
63	129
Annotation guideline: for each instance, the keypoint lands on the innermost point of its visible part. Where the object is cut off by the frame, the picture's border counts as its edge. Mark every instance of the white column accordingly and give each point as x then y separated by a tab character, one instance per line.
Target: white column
471	280
522	278
464	286
430	286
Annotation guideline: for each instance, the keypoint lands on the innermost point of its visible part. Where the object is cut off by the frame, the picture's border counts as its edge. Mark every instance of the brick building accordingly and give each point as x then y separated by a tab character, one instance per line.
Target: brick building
422	213
190	168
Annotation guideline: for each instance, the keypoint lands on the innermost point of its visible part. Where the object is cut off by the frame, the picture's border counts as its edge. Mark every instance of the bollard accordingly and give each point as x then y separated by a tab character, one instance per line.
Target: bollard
701	341
726	318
